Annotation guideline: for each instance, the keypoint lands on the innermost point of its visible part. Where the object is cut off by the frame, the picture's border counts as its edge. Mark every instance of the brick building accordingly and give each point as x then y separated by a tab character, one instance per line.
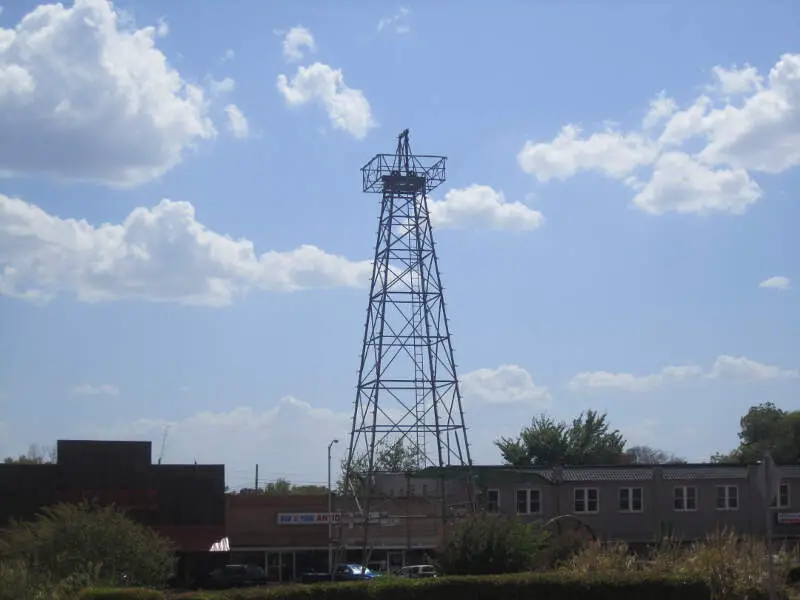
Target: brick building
185	503
288	534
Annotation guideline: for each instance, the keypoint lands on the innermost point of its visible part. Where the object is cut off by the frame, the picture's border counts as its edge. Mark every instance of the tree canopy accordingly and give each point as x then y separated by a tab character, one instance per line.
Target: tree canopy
88	545
487	545
395	456
766	428
589	439
647	455
34	456
284	486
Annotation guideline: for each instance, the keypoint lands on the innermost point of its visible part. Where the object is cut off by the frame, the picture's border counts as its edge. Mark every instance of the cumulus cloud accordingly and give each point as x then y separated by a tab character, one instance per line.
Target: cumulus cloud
161	253
737	368
778	282
88	389
295	430
598	380
84	95
506	384
742	368
482	206
743	123
292	429
222	86
680	183
296	42
347	108
611	152
237	122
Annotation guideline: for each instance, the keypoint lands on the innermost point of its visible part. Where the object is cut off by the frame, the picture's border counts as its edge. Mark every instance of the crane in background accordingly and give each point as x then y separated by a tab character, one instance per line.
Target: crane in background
163	444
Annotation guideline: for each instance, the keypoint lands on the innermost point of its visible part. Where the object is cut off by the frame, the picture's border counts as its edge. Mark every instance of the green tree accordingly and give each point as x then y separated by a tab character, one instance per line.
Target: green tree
280	486
390	456
546	442
484	544
94	545
766	428
34	456
646	455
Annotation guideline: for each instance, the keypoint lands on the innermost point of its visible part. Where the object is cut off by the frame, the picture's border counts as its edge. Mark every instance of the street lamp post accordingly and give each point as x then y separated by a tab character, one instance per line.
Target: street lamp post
330	512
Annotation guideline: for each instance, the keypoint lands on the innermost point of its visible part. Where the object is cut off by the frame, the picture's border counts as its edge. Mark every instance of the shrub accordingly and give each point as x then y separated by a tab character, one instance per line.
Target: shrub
541	586
120	594
82	545
729	566
487	544
793	576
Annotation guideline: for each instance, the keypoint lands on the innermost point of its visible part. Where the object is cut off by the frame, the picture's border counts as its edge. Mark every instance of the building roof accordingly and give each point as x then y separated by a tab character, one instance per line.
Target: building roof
622	473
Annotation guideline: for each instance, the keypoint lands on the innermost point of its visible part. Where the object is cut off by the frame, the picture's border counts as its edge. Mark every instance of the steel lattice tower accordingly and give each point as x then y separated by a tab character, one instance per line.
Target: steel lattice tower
407	384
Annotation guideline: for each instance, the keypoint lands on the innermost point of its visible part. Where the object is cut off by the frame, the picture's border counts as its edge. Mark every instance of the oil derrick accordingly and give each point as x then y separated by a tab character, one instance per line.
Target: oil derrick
407	390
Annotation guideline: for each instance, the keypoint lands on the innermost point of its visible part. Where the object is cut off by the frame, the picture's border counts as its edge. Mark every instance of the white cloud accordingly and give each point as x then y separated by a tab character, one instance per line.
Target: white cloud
228	55
661	107
347	108
596	380
293	430
507	384
297	41
764	133
86	96
724	367
482	206
159	254
741	368
400	27
237	122
296	431
744	123
162	28
611	152
221	86
779	282
735	81
682	184
88	389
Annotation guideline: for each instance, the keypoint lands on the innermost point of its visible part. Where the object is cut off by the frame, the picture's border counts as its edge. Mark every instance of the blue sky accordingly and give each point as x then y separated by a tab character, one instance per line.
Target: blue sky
616	232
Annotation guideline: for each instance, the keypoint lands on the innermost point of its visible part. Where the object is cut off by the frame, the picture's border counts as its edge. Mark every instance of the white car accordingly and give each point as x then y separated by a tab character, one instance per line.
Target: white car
417	571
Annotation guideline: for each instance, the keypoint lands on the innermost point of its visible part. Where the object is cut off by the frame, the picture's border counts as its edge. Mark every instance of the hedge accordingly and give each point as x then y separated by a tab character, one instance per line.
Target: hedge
120	594
540	586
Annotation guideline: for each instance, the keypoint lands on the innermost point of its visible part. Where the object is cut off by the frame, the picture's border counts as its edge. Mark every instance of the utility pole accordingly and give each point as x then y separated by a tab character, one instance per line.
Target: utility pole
330	512
256	487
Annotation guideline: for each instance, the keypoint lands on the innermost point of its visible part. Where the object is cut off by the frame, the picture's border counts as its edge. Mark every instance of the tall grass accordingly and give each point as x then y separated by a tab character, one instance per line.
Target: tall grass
730	565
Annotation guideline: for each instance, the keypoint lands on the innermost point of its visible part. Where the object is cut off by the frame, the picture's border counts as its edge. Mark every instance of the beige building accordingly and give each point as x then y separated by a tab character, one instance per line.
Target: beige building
288	535
634	503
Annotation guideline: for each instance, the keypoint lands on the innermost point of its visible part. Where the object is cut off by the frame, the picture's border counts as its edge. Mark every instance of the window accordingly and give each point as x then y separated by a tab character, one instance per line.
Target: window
630	499
727	497
685	498
782	500
492	500
529	502
587	500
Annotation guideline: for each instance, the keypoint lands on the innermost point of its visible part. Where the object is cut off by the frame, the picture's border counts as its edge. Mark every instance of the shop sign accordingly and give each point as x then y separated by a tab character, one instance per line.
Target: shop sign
789	518
307	518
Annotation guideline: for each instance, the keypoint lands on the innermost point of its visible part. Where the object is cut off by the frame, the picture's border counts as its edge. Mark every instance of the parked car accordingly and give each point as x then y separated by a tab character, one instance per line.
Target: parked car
348	572
417	571
233	576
